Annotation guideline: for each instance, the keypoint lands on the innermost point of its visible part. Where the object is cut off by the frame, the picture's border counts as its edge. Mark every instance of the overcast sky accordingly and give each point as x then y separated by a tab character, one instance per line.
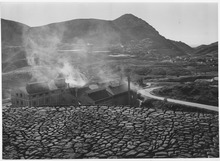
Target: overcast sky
192	23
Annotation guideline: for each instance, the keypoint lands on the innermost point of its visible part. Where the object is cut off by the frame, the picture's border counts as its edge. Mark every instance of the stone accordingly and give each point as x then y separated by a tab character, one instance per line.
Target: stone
103	156
108	145
165	133
129	126
212	154
108	153
141	155
50	144
130	146
119	145
104	137
161	148
131	153
125	150
201	142
114	140
146	151
204	123
186	155
115	149
76	145
145	144
170	153
91	154
104	142
161	153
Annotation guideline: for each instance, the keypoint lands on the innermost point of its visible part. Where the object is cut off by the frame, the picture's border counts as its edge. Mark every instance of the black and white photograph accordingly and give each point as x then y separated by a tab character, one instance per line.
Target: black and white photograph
109	80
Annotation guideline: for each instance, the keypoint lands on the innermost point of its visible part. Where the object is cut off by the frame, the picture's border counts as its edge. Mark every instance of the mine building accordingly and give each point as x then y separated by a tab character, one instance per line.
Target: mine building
58	93
42	94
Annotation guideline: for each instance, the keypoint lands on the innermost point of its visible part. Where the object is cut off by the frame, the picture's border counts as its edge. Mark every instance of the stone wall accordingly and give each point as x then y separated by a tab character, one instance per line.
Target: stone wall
108	132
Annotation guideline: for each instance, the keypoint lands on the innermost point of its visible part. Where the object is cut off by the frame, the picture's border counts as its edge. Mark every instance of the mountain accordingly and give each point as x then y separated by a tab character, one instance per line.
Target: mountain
202	50
128	33
98	32
182	46
126	30
93	31
12	32
136	29
13	52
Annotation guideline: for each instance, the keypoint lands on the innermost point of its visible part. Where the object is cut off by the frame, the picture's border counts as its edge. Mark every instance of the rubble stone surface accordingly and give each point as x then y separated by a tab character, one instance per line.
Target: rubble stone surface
108	132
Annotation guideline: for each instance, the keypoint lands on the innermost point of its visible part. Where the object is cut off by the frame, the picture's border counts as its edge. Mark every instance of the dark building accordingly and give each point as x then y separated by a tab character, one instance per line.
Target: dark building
110	95
42	94
57	93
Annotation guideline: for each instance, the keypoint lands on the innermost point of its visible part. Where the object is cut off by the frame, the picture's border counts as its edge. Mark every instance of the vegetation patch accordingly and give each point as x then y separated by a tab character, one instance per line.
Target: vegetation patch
193	92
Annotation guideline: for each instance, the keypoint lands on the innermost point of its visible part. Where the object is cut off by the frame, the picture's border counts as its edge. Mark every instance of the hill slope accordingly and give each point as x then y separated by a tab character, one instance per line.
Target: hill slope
19	43
13	32
98	32
182	46
211	49
13	52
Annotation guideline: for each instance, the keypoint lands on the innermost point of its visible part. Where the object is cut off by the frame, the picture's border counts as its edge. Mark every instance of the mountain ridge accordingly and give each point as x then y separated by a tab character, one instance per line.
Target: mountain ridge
136	28
126	30
211	49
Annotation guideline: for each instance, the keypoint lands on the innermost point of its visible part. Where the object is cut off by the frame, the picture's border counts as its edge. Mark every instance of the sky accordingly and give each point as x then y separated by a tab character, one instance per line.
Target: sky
192	23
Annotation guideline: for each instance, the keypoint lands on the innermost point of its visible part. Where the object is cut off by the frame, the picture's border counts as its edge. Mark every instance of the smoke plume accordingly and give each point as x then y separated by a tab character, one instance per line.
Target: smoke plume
52	58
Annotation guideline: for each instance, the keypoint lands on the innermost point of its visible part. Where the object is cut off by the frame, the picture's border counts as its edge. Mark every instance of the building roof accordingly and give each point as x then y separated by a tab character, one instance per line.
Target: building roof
114	83
119	89
80	91
40	87
95	90
97	95
93	86
94	94
106	92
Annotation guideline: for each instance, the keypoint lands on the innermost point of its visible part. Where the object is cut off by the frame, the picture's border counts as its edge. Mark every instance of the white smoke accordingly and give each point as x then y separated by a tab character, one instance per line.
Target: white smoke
73	61
43	54
73	77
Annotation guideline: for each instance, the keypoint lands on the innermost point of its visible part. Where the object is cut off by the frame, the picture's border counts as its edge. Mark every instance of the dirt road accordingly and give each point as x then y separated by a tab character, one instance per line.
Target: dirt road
148	93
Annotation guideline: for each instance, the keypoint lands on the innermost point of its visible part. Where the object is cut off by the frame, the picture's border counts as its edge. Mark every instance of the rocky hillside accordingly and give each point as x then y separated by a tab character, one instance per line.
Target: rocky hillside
136	36
195	92
13	33
211	49
182	46
13	53
122	30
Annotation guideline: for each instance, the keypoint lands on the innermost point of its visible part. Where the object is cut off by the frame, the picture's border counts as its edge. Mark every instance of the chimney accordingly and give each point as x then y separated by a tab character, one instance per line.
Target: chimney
120	79
76	96
129	90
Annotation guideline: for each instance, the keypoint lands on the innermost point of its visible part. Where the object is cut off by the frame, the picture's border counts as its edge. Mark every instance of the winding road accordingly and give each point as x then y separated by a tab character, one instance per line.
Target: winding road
148	93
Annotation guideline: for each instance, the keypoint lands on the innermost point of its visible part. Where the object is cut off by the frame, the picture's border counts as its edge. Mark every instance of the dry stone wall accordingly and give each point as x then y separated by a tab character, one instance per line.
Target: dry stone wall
108	132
